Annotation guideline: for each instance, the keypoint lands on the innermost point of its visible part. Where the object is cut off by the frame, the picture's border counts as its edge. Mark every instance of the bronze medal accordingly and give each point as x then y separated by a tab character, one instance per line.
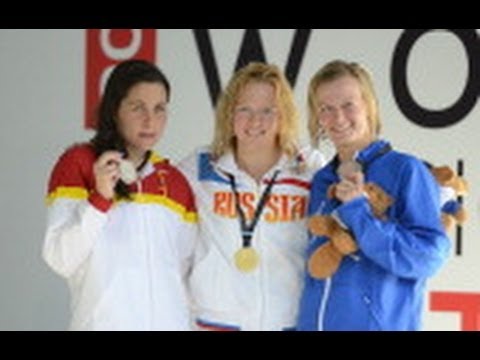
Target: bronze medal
348	167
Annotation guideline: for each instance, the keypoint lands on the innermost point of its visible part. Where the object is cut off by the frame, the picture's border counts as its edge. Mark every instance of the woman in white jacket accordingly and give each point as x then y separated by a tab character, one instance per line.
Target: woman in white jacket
121	220
251	188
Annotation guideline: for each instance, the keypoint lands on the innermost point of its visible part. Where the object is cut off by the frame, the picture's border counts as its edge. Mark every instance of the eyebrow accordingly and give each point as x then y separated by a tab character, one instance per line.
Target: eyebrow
240	105
133	102
139	101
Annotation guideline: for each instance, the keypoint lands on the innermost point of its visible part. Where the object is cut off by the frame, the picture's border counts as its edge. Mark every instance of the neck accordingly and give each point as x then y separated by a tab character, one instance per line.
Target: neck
347	152
136	157
257	163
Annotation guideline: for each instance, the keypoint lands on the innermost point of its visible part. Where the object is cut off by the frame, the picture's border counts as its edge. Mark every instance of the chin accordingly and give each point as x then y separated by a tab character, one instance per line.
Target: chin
147	144
344	139
142	148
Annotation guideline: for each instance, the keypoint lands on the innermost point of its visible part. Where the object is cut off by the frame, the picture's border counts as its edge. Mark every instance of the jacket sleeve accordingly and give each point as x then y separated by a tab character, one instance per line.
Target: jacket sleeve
411	242
316	206
188	235
75	216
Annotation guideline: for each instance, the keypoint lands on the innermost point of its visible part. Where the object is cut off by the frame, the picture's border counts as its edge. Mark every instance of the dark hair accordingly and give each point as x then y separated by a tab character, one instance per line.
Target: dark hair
123	77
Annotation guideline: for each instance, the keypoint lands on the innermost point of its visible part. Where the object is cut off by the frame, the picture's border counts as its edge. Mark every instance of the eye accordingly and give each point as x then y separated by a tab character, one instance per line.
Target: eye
243	111
325	109
161	109
269	112
136	107
349	105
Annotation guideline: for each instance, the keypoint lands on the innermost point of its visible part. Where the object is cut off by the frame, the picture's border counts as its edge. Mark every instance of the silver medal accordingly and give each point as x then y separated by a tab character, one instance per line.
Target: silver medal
128	173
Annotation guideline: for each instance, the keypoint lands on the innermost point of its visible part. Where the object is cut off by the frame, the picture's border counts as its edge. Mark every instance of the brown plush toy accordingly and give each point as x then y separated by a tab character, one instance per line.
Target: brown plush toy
452	186
325	261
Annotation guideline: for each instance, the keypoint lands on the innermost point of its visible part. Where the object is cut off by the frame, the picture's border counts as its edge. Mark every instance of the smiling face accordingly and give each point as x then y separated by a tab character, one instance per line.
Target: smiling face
342	113
256	117
142	116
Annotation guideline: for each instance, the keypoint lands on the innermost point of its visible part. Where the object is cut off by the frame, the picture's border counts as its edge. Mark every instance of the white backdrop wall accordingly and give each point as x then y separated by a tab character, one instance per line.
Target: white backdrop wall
42	98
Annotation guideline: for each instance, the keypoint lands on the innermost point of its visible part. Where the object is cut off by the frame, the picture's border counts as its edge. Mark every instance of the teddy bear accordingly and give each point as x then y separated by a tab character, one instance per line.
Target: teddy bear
451	187
325	260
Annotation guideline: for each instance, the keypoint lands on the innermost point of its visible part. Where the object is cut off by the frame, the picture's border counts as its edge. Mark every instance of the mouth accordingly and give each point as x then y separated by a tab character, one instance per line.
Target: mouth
341	132
146	136
256	133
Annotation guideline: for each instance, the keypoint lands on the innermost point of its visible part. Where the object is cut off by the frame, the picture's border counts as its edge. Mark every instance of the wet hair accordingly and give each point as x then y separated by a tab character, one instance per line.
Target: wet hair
124	76
224	138
331	72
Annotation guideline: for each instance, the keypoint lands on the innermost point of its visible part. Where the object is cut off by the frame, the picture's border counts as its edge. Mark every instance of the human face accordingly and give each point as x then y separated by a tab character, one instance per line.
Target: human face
142	116
256	117
342	113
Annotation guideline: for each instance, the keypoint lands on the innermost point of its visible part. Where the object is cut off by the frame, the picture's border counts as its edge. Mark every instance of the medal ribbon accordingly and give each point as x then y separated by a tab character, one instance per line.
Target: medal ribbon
247	229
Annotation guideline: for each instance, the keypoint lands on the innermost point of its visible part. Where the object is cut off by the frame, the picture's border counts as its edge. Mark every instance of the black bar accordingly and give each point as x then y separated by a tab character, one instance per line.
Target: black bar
459	237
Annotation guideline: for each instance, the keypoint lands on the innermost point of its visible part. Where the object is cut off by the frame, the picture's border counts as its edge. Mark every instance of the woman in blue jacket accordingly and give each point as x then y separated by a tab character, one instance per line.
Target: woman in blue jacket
382	285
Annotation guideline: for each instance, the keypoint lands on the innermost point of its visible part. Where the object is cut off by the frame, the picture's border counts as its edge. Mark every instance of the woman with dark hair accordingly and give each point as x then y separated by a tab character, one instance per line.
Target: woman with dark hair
121	220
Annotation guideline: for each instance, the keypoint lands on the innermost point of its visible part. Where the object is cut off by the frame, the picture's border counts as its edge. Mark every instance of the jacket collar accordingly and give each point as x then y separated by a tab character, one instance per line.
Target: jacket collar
227	164
367	155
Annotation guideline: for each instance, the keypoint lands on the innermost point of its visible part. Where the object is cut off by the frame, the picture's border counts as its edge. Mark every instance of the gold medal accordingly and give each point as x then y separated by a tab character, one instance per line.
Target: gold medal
246	259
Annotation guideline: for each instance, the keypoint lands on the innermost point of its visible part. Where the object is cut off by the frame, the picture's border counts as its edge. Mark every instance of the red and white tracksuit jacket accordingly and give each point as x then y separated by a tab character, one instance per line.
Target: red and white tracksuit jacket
125	261
267	298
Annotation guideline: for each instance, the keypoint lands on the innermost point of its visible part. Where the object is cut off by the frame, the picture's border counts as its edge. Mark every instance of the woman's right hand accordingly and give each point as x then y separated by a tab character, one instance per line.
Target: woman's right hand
350	187
107	173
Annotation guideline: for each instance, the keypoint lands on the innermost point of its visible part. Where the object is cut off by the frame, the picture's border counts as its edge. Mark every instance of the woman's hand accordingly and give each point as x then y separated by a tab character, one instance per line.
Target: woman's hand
350	187
107	173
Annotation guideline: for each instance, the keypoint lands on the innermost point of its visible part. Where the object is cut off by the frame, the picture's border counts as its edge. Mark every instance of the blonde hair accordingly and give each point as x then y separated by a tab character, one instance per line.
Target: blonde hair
224	137
333	71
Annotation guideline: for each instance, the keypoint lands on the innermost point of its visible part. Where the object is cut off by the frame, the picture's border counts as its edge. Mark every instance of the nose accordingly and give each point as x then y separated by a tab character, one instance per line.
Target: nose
256	115
338	115
148	117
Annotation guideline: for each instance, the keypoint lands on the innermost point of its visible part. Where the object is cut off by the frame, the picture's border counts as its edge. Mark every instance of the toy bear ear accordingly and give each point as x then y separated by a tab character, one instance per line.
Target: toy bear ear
448	221
443	174
461	216
446	177
453	213
460	185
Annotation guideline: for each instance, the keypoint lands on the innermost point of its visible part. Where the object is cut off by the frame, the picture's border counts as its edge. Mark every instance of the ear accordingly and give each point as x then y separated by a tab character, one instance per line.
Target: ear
461	216
443	174
461	186
448	221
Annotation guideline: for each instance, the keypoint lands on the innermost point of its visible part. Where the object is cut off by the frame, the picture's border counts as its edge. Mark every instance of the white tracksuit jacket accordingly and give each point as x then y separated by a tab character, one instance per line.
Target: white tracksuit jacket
267	298
124	262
